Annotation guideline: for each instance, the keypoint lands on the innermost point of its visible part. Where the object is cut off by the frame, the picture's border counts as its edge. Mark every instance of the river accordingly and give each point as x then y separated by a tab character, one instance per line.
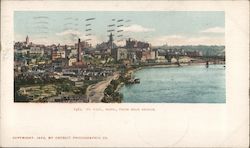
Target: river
186	84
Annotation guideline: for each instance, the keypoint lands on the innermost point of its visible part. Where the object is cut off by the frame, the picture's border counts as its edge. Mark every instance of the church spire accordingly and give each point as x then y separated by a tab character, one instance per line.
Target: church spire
27	39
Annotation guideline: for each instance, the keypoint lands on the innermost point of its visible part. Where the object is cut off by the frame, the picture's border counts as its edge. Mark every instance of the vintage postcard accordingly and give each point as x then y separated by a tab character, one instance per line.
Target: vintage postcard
124	73
119	56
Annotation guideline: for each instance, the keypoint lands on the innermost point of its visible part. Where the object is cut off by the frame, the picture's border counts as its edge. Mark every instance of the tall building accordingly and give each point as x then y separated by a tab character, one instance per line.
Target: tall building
79	51
119	53
66	51
27	40
110	42
107	46
137	44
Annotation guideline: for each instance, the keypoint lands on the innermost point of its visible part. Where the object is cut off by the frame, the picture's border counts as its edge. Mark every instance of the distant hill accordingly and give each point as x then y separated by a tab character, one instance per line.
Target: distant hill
213	50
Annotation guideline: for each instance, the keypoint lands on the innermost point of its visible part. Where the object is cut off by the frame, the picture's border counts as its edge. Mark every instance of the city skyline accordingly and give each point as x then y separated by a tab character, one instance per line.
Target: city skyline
157	28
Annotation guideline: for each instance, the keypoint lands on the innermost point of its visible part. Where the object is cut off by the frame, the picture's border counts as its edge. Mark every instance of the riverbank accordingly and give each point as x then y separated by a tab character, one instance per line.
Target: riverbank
174	65
180	65
95	92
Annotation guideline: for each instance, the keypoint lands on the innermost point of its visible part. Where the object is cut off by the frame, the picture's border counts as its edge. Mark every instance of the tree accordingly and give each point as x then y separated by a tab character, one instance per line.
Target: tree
109	90
115	83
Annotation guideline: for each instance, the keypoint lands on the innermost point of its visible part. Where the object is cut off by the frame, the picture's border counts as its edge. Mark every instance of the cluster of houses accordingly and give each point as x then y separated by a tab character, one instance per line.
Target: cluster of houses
61	58
70	61
136	52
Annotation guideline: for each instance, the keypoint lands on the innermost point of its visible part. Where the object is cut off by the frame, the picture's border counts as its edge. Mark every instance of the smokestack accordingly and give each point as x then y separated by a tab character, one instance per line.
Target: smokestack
79	57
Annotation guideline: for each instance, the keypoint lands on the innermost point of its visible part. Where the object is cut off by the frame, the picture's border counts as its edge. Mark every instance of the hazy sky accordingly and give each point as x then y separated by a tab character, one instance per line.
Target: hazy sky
156	27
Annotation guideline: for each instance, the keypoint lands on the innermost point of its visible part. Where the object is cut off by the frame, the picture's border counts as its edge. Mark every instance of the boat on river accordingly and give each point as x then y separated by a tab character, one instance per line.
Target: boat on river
137	80
134	81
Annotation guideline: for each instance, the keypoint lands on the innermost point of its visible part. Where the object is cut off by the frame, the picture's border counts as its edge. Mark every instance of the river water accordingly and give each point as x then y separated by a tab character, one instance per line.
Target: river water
186	84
